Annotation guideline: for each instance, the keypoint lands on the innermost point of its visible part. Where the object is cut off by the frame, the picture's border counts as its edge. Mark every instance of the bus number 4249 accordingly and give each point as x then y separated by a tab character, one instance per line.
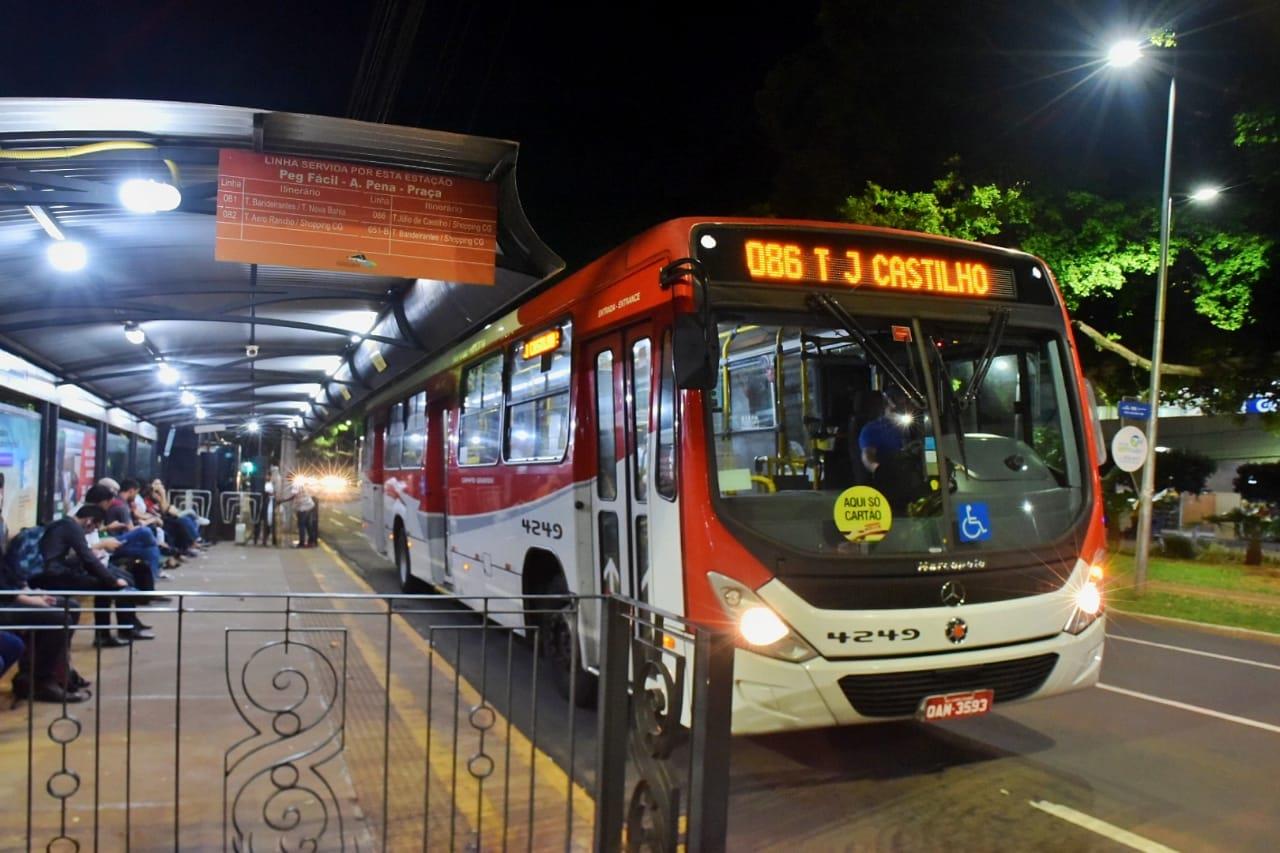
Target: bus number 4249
534	527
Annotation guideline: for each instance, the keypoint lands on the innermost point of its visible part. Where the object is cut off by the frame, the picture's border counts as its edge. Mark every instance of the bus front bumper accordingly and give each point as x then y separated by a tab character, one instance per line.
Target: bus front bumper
772	695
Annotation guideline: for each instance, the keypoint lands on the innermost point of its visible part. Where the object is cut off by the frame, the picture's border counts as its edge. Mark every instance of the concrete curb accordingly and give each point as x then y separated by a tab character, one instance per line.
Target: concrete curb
1208	627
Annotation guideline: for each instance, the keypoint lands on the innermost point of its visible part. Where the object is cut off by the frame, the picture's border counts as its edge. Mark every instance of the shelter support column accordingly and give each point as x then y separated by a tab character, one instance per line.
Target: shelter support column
50	464
100	457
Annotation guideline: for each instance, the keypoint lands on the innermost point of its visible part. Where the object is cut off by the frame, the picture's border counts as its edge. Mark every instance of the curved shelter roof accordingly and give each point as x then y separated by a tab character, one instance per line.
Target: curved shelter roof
324	338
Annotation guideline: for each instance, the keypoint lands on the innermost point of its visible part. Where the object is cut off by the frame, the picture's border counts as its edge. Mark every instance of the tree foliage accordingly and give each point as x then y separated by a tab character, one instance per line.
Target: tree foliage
1259	481
1105	254
1183	471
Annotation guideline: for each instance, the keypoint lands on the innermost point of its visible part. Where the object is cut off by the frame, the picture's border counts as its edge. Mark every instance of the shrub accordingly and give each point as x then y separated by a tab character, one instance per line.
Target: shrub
1178	546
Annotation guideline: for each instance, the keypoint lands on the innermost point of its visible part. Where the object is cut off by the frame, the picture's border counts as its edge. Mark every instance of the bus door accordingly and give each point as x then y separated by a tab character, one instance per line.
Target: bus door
434	490
621	366
371	486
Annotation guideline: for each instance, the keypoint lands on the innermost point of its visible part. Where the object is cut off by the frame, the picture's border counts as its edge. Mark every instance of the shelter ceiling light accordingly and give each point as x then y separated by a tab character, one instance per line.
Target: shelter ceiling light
67	255
251	427
355	339
133	333
188	399
168	375
143	195
201	414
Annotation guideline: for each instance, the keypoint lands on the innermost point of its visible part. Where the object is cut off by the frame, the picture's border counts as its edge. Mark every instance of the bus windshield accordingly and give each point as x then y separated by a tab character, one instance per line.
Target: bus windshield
821	448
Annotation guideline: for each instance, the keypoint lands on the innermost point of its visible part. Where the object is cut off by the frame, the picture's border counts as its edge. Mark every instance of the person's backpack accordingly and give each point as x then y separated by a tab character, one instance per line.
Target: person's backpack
23	558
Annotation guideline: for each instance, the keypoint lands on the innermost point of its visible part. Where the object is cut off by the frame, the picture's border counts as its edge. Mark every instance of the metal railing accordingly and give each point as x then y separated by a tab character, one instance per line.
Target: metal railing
196	500
358	721
239	506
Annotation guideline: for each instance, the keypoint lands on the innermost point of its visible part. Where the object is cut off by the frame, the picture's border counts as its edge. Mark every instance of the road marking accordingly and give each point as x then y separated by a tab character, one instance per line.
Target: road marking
1101	827
1195	709
1195	652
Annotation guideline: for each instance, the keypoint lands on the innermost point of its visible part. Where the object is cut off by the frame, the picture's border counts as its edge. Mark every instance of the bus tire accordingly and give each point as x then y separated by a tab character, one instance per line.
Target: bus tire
571	678
400	552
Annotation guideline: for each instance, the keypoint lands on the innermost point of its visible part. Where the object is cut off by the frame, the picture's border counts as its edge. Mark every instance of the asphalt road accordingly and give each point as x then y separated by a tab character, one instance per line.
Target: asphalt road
1178	748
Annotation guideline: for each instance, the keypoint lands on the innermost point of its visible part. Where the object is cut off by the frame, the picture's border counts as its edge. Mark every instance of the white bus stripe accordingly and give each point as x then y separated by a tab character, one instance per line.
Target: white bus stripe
1195	709
1195	652
1101	827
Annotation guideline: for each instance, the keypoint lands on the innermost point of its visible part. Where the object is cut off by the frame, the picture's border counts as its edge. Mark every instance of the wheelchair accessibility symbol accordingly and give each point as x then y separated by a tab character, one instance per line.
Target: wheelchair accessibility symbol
975	523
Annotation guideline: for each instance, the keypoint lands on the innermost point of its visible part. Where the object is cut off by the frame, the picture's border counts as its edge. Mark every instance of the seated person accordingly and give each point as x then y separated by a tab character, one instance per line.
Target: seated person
895	468
180	531
11	648
69	564
163	507
135	540
44	673
868	408
884	435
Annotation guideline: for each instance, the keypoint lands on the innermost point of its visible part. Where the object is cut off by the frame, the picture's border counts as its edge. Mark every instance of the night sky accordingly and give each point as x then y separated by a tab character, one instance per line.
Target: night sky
660	111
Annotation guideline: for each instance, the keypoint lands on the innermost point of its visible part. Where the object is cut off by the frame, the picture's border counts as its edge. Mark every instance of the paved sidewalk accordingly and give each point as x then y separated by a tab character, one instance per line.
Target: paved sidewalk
293	713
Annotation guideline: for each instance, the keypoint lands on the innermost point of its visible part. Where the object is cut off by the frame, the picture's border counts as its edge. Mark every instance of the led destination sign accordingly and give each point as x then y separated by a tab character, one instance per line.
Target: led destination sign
768	261
855	261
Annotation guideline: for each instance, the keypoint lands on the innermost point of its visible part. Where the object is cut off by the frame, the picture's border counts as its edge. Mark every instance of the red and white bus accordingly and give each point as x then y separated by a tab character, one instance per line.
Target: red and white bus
683	421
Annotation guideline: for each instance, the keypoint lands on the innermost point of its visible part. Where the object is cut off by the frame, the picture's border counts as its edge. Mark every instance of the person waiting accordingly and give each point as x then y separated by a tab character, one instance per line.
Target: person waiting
135	540
190	520
306	506
264	527
45	673
69	564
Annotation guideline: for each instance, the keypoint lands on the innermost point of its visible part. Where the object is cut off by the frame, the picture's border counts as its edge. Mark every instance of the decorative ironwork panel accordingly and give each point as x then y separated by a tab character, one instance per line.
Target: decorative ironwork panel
291	693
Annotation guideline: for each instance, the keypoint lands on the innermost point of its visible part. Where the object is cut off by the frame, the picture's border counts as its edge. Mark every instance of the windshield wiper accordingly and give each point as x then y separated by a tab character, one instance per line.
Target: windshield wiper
995	334
859	334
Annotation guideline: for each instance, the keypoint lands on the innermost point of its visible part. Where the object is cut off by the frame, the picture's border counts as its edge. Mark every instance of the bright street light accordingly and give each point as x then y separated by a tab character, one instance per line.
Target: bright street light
1205	194
1124	53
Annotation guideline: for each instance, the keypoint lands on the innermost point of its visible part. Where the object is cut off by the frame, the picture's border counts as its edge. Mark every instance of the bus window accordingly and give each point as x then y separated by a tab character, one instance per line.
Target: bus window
666	462
415	431
751	394
394	439
538	402
640	370
479	426
606	432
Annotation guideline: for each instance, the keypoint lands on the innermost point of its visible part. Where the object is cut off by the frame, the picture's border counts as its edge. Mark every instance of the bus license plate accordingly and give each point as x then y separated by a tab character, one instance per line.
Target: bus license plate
954	706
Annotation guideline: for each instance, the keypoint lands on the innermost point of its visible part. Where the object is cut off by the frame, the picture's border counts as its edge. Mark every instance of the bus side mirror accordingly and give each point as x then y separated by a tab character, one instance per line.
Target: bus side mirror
697	361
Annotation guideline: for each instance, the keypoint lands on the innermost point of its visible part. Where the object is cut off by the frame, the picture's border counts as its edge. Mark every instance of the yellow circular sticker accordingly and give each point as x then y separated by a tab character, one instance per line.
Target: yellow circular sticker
862	514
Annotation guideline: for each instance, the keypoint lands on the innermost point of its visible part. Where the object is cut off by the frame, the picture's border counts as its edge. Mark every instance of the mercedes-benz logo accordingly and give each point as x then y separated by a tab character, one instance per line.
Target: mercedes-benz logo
957	630
953	593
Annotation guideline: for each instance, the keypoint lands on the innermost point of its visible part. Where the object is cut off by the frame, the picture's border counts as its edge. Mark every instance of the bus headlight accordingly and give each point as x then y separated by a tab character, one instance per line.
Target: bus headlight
758	627
1088	601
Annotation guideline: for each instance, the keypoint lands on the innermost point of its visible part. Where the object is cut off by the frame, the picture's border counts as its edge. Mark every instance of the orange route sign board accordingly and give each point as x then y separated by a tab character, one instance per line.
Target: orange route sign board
354	217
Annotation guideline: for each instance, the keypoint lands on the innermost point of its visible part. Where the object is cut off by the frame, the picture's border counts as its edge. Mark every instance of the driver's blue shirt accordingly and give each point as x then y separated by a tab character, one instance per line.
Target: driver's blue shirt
882	434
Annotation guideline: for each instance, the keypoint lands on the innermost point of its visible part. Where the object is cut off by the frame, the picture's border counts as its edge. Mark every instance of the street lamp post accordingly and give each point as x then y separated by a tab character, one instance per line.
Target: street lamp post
1147	496
1121	55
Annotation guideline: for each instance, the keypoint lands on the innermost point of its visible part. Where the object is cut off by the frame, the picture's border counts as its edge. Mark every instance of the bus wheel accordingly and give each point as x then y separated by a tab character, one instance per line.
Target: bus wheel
560	648
408	583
